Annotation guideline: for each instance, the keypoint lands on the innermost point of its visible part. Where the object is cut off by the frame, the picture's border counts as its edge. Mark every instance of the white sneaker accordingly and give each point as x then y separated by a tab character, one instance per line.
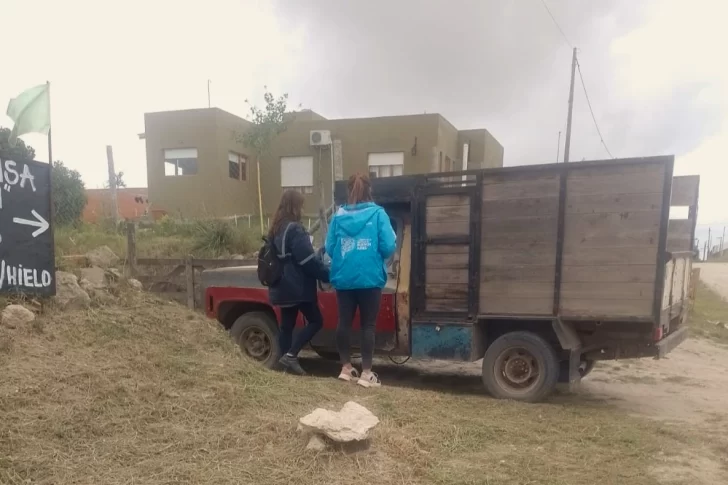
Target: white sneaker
369	379
349	375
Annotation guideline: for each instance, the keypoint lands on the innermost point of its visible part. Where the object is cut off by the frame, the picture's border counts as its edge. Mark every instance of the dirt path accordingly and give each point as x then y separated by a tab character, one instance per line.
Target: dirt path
715	275
689	391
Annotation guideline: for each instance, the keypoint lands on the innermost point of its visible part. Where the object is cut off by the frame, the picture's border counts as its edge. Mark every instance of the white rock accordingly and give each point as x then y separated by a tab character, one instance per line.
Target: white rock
352	423
136	284
316	443
68	293
95	276
102	257
114	274
15	316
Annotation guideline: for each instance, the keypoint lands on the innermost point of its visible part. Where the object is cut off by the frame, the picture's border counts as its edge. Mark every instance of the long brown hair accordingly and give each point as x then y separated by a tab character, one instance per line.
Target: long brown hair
360	189
289	210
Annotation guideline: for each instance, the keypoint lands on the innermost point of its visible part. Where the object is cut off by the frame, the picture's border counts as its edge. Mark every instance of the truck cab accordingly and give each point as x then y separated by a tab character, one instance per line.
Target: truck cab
538	270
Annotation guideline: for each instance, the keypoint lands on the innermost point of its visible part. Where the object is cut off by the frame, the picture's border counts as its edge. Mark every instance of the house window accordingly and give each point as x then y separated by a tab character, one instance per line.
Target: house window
297	174
390	164
180	161
237	166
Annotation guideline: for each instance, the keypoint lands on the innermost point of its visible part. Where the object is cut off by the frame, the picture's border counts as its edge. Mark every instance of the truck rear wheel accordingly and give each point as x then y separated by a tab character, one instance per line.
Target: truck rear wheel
256	333
520	366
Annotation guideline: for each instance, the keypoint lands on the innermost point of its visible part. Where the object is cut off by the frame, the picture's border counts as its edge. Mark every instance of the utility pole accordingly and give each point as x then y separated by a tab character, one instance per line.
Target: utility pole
558	148
208	93
721	242
710	244
567	146
112	184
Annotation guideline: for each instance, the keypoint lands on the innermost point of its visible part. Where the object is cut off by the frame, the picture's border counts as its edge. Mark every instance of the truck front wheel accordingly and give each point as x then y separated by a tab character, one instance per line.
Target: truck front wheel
520	366
256	333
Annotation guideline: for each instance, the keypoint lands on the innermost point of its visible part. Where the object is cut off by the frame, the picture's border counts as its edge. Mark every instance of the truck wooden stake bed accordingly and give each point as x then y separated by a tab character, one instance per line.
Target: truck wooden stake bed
538	270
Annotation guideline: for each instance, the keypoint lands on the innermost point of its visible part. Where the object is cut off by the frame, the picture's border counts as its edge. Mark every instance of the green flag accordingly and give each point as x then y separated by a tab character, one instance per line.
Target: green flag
31	112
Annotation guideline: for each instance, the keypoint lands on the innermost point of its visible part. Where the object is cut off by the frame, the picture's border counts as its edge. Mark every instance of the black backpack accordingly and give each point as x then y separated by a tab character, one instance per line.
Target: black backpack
270	261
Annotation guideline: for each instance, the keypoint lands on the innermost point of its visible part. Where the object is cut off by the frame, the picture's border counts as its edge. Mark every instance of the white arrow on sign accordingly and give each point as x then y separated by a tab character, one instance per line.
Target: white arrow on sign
40	223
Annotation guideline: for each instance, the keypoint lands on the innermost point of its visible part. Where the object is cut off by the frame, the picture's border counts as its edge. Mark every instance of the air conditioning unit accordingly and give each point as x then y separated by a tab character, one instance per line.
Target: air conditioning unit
320	138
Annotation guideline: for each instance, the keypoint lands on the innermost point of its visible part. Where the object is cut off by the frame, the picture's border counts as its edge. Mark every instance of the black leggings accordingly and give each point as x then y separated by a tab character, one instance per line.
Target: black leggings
367	301
289	315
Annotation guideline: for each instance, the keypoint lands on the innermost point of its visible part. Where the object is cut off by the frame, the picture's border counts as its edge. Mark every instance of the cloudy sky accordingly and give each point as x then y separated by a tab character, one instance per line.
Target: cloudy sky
654	70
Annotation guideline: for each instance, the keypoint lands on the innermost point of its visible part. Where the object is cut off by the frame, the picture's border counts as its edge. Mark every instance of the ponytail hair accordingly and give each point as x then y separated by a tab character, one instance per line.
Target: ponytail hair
360	189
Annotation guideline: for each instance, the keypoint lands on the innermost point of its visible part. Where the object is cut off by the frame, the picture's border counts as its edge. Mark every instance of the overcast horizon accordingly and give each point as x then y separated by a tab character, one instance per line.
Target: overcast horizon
652	70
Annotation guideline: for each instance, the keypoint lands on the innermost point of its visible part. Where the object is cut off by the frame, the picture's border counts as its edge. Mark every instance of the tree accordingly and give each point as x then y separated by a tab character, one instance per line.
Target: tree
268	123
119	178
69	194
19	153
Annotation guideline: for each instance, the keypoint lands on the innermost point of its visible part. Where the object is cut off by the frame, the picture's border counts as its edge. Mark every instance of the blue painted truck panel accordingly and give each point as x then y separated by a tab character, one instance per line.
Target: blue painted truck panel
438	341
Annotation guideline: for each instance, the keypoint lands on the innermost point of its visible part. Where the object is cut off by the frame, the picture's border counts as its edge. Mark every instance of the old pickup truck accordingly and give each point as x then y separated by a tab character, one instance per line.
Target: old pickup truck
538	270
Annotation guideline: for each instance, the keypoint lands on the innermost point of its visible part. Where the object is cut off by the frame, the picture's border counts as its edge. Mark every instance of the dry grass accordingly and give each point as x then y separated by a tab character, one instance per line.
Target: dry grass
145	392
709	315
167	239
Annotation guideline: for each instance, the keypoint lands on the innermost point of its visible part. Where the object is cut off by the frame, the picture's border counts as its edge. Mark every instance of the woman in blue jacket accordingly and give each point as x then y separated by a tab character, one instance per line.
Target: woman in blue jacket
296	291
359	242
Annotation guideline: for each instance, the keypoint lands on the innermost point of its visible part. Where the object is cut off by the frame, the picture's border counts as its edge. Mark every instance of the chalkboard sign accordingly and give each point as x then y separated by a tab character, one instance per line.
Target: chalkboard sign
27	256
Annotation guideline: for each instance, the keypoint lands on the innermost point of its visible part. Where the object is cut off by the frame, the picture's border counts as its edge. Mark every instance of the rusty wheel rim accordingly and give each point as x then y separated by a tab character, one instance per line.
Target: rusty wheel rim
517	370
256	344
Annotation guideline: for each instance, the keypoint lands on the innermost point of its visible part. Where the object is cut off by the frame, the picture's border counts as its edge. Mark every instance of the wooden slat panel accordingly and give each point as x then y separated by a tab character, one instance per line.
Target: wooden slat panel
447	249
447	292
600	290
612	230
517	289
609	256
446	276
457	228
678	278
627	179
680	235
636	273
435	305
610	203
539	242
517	273
448	213
528	207
516	306
453	261
448	200
507	257
669	268
545	185
523	225
579	307
685	190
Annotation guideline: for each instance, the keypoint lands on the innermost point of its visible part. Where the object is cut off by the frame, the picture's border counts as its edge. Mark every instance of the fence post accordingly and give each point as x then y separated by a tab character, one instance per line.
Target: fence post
190	277
131	253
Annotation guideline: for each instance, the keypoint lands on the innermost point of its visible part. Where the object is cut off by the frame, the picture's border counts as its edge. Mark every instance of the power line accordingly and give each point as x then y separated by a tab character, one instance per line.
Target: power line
556	23
588	102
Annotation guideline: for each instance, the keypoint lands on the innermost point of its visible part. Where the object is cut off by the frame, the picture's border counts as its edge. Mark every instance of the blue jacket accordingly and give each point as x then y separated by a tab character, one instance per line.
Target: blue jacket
359	243
301	267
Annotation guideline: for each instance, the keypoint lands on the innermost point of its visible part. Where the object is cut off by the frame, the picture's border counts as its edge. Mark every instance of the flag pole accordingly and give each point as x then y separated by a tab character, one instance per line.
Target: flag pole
50	143
51	208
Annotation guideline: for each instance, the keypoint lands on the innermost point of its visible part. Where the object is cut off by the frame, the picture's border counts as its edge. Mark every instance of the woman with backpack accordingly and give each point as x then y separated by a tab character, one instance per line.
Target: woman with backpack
296	290
359	242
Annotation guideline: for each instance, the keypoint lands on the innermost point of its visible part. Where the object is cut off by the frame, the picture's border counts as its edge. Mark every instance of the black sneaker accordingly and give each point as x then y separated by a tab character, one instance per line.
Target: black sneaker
291	364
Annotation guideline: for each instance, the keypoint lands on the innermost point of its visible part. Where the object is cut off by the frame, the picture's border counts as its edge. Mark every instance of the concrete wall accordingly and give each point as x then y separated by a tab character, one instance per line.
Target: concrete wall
484	150
359	137
211	192
214	132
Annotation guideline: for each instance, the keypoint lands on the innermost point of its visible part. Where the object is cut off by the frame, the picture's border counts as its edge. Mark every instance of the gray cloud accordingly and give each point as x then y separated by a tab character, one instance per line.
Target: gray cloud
499	65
